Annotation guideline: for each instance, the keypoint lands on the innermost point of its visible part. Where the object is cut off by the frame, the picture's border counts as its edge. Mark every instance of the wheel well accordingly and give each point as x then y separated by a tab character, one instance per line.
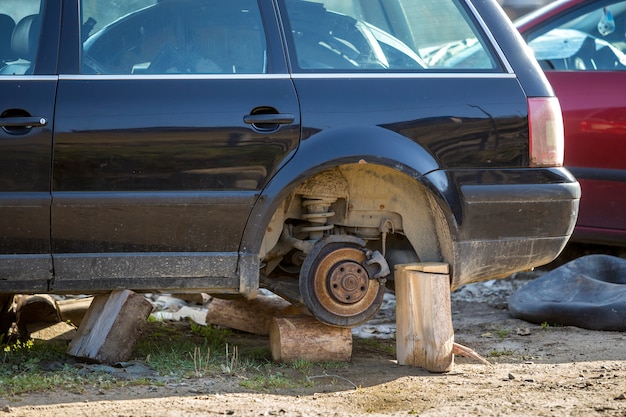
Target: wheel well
384	206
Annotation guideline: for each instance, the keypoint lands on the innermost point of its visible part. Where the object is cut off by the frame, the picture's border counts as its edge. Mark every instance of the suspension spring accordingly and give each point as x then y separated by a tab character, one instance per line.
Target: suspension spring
318	212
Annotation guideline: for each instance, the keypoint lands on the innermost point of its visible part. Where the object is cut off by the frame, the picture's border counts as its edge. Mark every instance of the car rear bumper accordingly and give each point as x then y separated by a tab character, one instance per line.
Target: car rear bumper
507	220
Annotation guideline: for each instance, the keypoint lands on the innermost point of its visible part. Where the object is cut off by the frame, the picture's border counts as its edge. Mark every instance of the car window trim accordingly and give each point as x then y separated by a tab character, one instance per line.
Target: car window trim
325	75
404	75
120	77
29	77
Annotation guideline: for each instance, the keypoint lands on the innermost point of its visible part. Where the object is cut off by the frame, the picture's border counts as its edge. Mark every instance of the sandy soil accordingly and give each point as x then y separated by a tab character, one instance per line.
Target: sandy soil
536	371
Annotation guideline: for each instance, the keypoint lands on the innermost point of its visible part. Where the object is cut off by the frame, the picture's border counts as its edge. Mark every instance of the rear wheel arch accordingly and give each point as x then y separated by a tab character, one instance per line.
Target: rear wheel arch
327	150
347	191
365	197
391	212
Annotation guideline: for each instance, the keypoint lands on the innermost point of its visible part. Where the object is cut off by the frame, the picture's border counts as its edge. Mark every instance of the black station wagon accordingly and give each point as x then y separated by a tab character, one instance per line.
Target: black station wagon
303	146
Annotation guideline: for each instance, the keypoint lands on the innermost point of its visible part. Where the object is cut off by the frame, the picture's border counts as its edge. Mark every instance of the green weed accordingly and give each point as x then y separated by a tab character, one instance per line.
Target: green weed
498	353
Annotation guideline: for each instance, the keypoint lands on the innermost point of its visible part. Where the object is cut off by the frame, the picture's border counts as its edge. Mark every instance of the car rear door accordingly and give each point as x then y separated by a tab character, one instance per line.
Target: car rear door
28	86
178	114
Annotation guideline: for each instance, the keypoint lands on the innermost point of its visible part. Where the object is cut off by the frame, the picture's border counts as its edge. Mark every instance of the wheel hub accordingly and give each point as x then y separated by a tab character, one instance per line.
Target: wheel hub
341	283
348	282
335	282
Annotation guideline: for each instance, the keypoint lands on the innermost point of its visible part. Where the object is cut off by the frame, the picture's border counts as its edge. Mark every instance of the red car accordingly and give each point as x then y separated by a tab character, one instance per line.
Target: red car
581	45
518	8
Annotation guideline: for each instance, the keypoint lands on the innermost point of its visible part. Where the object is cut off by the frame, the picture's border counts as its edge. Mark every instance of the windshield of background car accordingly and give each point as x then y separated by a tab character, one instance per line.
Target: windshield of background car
385	35
590	39
172	37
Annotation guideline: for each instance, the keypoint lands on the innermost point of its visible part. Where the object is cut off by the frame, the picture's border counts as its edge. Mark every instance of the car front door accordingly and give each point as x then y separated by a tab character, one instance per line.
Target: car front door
28	87
178	114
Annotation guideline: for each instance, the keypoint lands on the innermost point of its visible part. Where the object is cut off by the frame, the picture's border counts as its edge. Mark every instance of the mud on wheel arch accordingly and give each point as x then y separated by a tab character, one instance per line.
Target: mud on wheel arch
332	243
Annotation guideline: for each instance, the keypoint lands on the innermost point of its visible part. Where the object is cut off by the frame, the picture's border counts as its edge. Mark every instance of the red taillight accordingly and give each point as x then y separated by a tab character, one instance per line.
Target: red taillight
545	124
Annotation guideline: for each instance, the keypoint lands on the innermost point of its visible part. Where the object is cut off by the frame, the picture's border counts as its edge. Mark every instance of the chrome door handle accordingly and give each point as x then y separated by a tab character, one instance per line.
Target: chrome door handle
23	121
274	119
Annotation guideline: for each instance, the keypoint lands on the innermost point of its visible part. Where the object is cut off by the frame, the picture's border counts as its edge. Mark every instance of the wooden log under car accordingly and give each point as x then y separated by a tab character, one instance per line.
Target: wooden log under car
35	309
52	331
110	328
252	316
424	332
293	338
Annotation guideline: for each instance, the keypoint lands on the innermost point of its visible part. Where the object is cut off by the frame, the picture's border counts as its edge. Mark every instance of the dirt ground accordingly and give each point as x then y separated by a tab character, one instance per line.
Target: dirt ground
537	370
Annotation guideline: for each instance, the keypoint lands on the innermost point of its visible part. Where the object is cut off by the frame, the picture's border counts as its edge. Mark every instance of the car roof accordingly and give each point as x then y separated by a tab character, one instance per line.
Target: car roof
547	12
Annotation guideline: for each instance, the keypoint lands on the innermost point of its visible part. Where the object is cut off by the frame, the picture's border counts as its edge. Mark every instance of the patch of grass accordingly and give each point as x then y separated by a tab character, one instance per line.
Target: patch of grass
216	337
272	380
297	374
497	332
502	333
171	349
14	353
334	365
545	325
302	365
187	349
377	345
498	353
25	367
232	360
259	354
37	381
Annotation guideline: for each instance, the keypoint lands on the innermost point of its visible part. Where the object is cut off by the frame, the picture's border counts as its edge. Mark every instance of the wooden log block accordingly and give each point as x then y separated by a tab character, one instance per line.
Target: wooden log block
196	298
424	332
60	331
304	337
252	316
38	308
110	328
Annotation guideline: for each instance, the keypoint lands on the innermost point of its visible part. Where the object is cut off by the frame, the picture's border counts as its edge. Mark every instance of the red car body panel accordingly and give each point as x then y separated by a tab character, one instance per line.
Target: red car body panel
594	113
546	13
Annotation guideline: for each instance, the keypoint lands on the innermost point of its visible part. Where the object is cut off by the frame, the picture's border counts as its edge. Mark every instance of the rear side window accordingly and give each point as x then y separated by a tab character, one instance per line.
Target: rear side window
20	29
385	35
172	37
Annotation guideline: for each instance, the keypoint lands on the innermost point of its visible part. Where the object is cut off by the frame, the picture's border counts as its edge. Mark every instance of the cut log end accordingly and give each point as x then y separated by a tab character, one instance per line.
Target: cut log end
31	309
110	329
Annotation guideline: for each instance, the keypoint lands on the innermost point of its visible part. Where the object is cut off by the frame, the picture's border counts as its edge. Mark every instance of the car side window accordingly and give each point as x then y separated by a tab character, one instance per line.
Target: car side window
20	29
594	40
172	37
385	35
